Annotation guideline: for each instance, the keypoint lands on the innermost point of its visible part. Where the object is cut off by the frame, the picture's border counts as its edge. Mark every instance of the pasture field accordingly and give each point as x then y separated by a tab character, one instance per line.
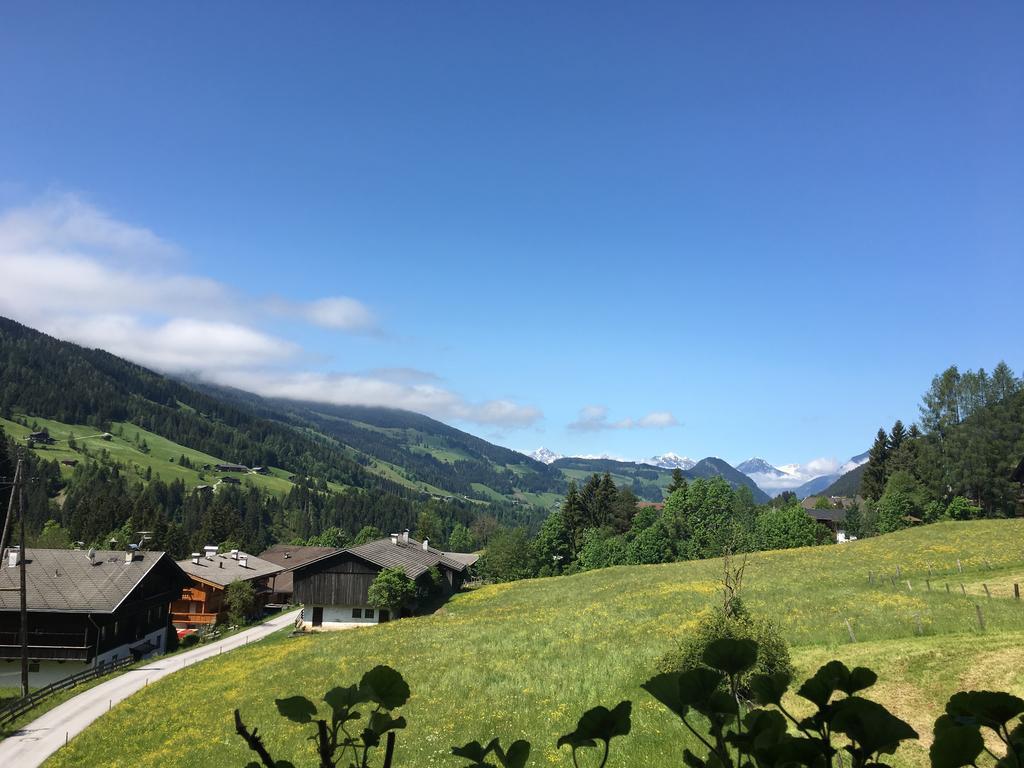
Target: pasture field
161	456
524	660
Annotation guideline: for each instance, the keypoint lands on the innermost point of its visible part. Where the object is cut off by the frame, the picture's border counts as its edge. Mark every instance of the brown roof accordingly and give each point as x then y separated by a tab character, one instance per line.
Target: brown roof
222	569
66	580
411	558
290	557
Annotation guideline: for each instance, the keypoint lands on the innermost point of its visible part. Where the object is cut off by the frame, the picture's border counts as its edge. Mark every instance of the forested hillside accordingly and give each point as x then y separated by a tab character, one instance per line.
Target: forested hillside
649	482
328	471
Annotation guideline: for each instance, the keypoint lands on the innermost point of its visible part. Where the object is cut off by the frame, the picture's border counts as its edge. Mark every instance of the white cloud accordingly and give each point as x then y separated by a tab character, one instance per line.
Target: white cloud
593	418
71	270
340	312
355	389
176	345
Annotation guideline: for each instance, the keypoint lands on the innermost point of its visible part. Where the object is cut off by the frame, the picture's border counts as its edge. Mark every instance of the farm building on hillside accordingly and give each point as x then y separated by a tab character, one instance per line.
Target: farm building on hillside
290	557
231	467
84	609
202	601
334	589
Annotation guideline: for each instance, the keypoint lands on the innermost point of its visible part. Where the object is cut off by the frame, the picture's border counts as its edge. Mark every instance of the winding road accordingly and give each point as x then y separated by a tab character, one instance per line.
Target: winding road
31	745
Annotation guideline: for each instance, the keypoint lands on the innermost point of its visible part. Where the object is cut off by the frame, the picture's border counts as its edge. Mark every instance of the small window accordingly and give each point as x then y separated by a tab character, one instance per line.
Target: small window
357	613
369	613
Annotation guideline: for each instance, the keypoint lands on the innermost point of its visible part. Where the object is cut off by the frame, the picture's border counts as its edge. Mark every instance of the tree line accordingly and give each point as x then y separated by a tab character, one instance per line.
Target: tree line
955	463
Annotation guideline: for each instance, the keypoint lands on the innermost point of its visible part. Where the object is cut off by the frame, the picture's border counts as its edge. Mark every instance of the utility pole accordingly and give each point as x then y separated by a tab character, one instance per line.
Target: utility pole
20	490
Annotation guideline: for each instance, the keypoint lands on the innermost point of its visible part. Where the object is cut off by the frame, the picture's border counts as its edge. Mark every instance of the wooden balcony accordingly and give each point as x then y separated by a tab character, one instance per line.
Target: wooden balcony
193	619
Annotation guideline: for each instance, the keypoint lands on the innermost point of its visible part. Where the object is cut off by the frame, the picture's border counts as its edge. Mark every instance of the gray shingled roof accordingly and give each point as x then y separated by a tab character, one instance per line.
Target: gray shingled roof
66	580
411	557
223	569
290	557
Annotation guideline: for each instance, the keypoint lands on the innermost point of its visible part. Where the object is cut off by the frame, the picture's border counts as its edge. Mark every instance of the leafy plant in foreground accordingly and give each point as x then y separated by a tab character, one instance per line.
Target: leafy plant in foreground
382	687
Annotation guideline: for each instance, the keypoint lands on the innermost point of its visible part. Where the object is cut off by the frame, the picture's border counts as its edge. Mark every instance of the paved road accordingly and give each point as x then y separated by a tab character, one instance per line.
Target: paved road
36	741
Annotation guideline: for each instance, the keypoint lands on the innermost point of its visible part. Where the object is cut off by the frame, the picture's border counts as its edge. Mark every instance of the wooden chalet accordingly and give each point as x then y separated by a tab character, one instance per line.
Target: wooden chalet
85	608
290	557
202	601
334	589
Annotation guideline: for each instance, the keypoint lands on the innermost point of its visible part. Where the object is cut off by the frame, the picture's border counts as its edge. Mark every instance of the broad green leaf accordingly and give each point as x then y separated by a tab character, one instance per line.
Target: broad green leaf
989	708
769	689
475	751
859	679
516	756
871	725
385	686
600	723
731	656
340	699
955	745
697	685
298	709
381	722
665	688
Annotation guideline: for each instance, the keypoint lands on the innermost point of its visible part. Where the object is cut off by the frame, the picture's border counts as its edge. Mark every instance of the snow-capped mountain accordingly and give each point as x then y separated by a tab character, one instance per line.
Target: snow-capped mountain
757	466
671	461
802	479
544	456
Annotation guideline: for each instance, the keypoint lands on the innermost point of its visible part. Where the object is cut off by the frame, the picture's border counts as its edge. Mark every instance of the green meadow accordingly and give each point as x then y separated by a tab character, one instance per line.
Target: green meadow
526	659
161	456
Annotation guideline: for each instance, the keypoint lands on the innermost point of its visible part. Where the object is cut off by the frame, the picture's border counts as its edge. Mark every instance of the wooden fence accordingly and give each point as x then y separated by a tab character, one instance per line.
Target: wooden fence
20	706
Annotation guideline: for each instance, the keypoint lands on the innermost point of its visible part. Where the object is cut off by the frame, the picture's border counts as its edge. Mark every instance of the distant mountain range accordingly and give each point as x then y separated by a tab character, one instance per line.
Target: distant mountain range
648	481
802	479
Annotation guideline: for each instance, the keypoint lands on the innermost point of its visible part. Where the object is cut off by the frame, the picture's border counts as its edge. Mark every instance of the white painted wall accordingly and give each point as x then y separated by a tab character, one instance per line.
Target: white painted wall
157	637
338	617
49	672
52	671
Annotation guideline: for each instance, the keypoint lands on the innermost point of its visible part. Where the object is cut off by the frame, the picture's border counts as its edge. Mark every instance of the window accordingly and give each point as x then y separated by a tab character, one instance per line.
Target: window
357	613
369	613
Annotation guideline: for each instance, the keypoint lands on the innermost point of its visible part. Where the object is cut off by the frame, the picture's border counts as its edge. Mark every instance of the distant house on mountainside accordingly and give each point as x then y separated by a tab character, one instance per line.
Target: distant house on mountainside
261	470
231	467
334	589
230	480
85	608
69	462
203	600
42	436
290	557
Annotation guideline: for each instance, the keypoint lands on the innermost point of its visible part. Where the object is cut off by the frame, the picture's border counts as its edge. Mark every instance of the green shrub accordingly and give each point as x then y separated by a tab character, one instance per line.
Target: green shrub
189	640
773	653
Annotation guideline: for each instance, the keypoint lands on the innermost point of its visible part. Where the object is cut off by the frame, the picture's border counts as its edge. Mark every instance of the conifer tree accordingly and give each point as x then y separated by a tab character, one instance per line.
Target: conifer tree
678	481
872	484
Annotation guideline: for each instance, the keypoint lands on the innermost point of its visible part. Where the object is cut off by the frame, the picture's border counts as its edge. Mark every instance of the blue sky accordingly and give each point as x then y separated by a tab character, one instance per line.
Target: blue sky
600	227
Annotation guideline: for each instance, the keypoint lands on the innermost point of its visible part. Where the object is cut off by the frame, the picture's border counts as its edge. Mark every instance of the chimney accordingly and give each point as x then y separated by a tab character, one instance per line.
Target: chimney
128	556
210	551
234	554
243	560
195	558
12	556
405	537
394	539
92	556
426	544
221	563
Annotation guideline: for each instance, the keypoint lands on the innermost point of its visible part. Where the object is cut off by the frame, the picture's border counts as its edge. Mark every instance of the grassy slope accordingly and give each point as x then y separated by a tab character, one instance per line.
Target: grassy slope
124	449
526	659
